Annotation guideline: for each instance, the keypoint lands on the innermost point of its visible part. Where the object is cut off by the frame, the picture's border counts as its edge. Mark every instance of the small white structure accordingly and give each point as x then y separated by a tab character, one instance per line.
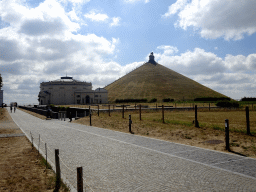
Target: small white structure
67	90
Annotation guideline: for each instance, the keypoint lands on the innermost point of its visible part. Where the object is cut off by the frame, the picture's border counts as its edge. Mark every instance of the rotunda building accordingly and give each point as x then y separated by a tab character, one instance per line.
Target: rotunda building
66	91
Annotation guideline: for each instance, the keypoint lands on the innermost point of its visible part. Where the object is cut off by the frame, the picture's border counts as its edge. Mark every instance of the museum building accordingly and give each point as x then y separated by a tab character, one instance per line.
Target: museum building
66	91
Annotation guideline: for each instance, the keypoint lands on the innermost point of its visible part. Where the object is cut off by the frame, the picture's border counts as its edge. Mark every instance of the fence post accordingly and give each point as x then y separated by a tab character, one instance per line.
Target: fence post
46	155
90	117
163	113
38	144
140	112
247	120
32	142
98	110
196	122
130	124
31	139
57	164
227	134
123	112
109	110
79	179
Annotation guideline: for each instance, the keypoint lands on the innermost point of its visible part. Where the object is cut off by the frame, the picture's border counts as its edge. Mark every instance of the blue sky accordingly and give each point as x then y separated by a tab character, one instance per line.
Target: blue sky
212	42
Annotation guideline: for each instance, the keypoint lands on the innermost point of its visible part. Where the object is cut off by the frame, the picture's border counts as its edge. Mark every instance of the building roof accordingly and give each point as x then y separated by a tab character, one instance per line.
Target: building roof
66	79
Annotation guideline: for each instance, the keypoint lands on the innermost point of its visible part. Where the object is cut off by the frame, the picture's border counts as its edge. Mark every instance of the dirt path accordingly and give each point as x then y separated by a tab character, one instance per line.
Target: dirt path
21	169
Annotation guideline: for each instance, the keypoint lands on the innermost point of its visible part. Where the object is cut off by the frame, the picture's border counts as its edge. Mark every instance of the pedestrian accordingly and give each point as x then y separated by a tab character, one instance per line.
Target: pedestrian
14	108
11	108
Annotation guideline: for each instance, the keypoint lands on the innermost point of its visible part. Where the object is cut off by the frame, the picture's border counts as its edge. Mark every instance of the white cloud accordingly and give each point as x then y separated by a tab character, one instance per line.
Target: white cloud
38	45
234	75
174	8
134	1
214	19
168	50
96	16
191	63
115	21
79	1
73	16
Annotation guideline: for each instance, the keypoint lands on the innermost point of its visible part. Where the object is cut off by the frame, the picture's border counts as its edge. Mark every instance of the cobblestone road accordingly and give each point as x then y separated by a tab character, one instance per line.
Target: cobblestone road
114	161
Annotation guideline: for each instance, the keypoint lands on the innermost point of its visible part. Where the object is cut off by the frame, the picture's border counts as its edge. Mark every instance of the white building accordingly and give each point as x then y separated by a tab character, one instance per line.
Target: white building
67	90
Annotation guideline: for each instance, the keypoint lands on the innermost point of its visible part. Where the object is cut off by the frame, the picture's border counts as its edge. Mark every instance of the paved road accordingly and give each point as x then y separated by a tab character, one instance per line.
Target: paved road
114	161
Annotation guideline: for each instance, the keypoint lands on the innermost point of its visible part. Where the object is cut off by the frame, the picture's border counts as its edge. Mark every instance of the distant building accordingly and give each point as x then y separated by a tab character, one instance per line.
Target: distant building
67	90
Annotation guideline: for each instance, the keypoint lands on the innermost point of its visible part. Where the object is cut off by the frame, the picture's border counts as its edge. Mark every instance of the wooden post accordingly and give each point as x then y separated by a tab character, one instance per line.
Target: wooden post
32	142
46	155
163	113
80	179
38	144
140	111
196	122
98	110
227	134
109	110
57	164
247	120
123	112
130	124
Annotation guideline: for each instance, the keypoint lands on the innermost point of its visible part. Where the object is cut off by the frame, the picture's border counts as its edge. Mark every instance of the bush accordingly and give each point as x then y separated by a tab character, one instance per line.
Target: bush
168	100
211	99
248	99
153	100
226	103
131	100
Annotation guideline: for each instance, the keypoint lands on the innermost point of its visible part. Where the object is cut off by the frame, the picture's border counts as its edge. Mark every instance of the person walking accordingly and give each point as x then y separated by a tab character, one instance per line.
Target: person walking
14	108
11	108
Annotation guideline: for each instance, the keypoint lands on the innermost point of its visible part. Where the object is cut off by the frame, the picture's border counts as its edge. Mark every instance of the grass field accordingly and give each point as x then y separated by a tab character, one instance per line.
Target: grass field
179	127
156	81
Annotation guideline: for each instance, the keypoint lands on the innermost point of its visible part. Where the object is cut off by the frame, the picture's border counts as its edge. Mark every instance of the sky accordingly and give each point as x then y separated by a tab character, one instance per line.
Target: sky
210	41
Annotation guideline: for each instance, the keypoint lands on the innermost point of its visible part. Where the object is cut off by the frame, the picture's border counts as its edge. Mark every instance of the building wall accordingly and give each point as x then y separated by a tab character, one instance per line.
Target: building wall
70	93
